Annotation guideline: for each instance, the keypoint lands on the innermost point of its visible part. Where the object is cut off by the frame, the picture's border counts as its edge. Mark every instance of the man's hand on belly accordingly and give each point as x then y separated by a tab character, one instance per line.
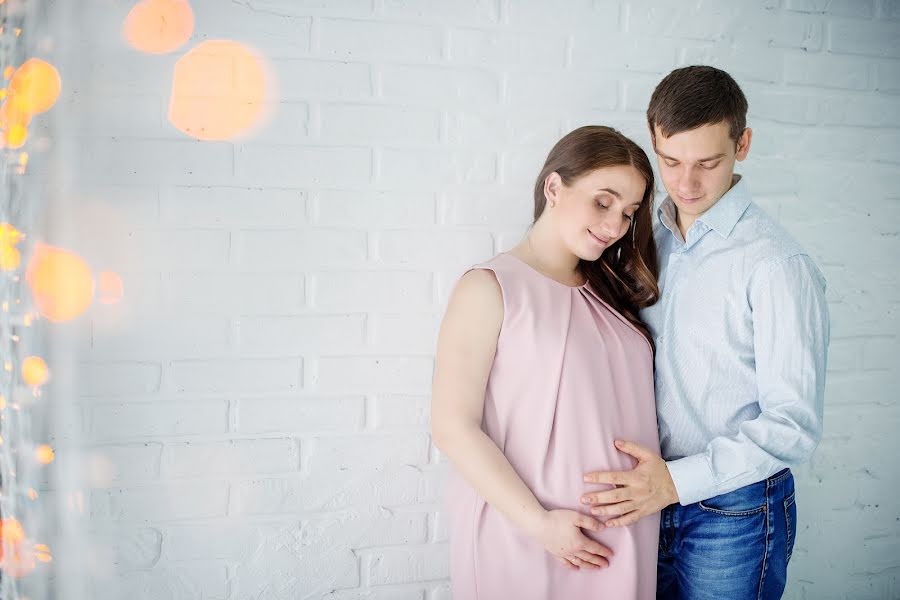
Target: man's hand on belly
642	491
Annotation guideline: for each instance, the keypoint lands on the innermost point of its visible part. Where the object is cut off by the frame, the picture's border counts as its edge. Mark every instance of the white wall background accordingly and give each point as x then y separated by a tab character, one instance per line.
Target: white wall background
257	407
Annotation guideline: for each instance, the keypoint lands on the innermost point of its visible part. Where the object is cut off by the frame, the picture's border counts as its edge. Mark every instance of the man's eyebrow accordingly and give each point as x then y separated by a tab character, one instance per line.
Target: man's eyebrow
707	159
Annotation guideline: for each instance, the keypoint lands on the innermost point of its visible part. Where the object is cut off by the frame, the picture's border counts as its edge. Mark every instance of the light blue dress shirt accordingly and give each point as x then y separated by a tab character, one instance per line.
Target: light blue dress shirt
741	331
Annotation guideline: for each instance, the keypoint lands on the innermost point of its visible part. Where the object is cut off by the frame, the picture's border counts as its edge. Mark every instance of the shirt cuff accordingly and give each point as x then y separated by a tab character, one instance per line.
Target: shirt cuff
694	480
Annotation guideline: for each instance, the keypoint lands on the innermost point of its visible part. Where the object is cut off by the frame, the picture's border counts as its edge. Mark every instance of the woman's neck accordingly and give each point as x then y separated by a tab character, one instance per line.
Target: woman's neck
546	251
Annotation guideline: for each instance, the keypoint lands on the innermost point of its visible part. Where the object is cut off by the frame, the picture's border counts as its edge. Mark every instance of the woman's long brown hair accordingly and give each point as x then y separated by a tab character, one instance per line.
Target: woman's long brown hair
625	275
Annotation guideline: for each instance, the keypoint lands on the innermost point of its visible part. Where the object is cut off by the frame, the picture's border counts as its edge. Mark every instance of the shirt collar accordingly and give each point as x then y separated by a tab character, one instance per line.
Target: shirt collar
721	217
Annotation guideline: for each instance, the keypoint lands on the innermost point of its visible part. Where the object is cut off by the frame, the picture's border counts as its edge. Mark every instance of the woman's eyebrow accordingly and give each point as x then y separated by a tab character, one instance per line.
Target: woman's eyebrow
611	191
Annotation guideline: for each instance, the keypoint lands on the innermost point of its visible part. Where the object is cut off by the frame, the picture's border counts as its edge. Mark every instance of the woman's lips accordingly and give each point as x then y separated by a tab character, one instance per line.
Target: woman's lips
599	241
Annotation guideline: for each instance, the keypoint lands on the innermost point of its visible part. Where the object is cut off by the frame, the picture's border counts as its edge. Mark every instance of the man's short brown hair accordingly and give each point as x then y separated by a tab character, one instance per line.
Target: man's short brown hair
691	97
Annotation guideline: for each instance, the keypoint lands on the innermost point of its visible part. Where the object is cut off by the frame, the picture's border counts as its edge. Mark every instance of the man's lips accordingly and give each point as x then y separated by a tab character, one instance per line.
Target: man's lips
689	200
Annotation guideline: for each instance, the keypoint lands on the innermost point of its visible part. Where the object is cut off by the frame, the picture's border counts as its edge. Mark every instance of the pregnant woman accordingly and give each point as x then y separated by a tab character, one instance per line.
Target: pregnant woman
542	362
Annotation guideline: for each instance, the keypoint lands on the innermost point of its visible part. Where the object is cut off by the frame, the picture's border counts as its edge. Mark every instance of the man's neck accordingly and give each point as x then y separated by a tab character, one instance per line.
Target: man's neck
684	223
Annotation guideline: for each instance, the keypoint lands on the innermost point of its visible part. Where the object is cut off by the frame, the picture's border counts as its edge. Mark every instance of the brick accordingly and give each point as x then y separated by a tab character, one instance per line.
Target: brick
380	593
297	250
107	465
622	52
432	488
113	115
397	565
302	8
826	71
318	79
723	21
887	76
121	420
159	337
369	452
128	548
424	248
492	47
373	374
283	565
279	122
569	90
759	64
783	107
327	489
226	207
366	209
274	33
301	414
439	85
489	206
523	164
496	126
373	290
119	378
405	169
205	459
290	166
877	38
393	411
367	527
404	332
263	375
208	581
224	540
233	293
866	111
147	161
601	16
294	336
167	502
346	39
839	8
371	123
465	11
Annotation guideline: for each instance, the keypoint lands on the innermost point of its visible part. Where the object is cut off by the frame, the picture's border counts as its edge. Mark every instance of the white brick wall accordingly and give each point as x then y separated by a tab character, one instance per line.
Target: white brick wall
259	401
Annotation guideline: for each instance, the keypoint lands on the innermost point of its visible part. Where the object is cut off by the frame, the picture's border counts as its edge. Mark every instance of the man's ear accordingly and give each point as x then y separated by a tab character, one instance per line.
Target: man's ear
743	144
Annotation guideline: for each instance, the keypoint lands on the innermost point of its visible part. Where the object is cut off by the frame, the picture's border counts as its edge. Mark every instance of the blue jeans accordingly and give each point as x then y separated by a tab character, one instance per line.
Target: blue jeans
735	546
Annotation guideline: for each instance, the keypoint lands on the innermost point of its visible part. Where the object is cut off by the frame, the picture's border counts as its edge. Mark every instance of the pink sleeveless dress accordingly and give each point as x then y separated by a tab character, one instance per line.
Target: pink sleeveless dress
570	376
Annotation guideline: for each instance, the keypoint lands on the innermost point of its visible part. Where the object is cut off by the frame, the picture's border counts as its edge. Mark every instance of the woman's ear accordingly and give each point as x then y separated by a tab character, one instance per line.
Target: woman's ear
552	185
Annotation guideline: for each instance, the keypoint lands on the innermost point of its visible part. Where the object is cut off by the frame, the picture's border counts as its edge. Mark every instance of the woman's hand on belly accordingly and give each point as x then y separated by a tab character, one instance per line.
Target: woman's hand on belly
560	533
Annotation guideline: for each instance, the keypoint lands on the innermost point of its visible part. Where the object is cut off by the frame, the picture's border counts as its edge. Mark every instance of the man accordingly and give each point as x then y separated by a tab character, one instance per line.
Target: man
741	332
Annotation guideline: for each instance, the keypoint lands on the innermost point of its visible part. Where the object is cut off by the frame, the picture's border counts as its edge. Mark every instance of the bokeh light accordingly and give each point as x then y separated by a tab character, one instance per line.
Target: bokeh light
158	26
61	283
36	85
110	287
10	257
13	112
218	91
10	235
15	136
44	454
35	371
16	558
